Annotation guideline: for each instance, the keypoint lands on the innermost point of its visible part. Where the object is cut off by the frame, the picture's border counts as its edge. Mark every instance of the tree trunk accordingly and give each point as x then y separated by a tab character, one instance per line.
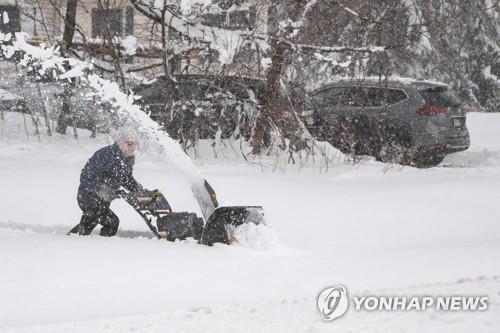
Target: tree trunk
65	117
69	32
269	111
279	48
44	110
119	75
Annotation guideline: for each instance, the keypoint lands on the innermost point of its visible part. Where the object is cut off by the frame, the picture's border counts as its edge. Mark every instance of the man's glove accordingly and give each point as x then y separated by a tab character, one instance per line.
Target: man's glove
108	194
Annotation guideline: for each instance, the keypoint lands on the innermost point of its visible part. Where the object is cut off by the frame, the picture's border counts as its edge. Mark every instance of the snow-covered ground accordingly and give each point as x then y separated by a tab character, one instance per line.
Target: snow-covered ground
374	228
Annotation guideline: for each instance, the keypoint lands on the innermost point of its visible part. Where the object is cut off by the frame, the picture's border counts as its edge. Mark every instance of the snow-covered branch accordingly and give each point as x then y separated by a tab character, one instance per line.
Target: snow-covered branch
225	41
336	49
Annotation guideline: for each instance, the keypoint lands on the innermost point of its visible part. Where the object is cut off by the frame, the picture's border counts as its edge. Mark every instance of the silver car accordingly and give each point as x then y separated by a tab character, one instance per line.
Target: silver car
11	102
401	121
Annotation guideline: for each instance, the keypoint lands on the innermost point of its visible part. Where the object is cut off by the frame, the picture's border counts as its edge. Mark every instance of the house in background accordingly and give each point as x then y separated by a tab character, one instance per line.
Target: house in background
9	17
43	21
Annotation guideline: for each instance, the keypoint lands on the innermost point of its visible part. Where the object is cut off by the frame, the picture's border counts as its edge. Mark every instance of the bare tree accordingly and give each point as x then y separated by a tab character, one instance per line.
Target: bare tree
279	47
69	32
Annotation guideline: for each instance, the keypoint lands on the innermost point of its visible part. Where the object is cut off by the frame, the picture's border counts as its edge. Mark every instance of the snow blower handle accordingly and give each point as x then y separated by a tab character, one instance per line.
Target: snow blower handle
140	195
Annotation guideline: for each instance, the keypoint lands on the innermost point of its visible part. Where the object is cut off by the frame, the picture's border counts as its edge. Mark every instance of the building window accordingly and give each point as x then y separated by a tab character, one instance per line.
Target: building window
233	20
226	4
242	19
129	21
214	20
238	19
272	19
118	24
9	19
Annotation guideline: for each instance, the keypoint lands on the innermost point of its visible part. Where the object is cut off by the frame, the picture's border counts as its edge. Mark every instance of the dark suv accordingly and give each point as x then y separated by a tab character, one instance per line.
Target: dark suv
399	121
202	106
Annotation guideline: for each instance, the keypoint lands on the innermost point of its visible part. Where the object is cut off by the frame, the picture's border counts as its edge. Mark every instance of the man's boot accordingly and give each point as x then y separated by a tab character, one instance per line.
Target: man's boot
109	224
87	224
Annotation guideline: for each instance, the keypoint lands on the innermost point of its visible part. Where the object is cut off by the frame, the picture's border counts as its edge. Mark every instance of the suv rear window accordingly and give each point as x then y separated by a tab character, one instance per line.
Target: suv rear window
384	96
440	97
395	95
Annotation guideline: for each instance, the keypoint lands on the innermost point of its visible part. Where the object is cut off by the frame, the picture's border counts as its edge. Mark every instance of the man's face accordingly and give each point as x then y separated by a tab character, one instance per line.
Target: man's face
128	147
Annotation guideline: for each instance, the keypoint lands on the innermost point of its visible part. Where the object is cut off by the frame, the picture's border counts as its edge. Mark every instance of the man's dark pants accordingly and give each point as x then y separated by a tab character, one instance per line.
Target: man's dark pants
96	211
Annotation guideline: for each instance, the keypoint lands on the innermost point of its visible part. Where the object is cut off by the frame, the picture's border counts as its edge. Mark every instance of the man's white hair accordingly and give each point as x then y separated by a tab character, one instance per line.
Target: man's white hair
125	133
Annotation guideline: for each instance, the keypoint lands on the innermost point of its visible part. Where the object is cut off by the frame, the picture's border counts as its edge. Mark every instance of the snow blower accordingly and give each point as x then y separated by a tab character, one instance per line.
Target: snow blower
166	224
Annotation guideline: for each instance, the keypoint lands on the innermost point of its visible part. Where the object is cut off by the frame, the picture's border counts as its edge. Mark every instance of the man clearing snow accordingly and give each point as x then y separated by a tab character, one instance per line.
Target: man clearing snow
104	173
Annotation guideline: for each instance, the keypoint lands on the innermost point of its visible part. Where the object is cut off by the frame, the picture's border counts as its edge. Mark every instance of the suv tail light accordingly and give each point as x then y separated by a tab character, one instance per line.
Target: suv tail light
431	110
437	101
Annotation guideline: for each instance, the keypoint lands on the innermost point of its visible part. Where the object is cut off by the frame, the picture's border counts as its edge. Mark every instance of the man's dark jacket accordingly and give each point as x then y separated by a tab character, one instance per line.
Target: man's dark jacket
108	168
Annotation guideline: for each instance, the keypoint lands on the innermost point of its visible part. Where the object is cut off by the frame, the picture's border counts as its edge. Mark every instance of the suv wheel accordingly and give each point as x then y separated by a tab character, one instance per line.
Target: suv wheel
391	152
